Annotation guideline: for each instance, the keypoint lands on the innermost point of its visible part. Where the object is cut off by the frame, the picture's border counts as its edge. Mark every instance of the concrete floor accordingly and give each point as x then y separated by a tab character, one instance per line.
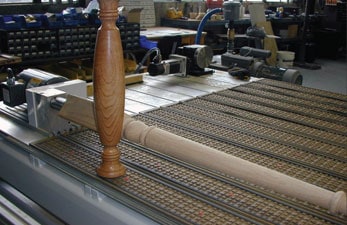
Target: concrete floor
331	77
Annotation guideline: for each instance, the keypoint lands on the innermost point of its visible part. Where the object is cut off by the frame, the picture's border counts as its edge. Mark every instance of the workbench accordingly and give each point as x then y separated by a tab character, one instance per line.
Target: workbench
221	25
157	33
286	28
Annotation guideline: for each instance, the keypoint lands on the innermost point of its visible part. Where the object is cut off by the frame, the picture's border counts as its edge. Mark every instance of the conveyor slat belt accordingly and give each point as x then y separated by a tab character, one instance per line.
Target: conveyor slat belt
310	149
184	192
309	93
325	118
243	112
250	140
247	104
293	138
286	95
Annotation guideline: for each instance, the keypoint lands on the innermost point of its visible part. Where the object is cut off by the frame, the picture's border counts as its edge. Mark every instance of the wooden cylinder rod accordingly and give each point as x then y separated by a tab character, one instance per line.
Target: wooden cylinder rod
212	159
109	89
80	111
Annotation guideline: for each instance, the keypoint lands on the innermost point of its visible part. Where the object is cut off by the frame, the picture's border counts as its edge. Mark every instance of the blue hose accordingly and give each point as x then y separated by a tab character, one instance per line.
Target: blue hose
203	21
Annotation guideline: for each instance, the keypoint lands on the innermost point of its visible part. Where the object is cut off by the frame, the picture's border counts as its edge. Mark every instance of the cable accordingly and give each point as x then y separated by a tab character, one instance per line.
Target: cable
157	58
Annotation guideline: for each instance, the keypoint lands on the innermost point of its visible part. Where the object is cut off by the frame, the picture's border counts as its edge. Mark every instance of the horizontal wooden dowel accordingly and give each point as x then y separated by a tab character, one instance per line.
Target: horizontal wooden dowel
209	158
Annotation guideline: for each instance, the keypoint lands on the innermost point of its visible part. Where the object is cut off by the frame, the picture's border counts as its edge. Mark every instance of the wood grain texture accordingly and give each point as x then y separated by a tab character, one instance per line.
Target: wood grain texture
109	88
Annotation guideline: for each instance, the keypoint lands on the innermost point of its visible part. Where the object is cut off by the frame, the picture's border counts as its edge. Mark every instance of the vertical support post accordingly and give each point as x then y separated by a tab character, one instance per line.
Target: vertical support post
109	89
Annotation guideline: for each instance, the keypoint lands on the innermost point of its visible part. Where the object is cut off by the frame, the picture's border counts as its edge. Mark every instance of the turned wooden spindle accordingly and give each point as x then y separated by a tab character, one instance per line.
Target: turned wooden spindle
209	158
109	89
206	157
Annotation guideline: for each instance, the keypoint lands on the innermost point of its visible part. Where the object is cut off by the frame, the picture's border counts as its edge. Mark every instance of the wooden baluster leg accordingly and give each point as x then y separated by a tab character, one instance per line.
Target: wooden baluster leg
109	89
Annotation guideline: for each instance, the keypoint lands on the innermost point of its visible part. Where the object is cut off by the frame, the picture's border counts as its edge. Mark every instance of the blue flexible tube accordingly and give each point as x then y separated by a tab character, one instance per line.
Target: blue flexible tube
203	21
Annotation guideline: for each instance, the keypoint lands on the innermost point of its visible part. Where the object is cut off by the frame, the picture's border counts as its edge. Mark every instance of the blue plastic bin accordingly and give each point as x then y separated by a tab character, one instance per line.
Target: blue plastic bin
7	23
147	44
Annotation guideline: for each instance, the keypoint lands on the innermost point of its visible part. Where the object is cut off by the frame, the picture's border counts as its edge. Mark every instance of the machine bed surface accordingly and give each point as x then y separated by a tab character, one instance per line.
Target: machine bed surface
295	130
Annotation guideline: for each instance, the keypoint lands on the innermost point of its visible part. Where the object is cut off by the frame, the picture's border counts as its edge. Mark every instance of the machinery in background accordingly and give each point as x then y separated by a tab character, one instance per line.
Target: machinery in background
176	65
33	95
251	62
189	59
199	57
13	89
